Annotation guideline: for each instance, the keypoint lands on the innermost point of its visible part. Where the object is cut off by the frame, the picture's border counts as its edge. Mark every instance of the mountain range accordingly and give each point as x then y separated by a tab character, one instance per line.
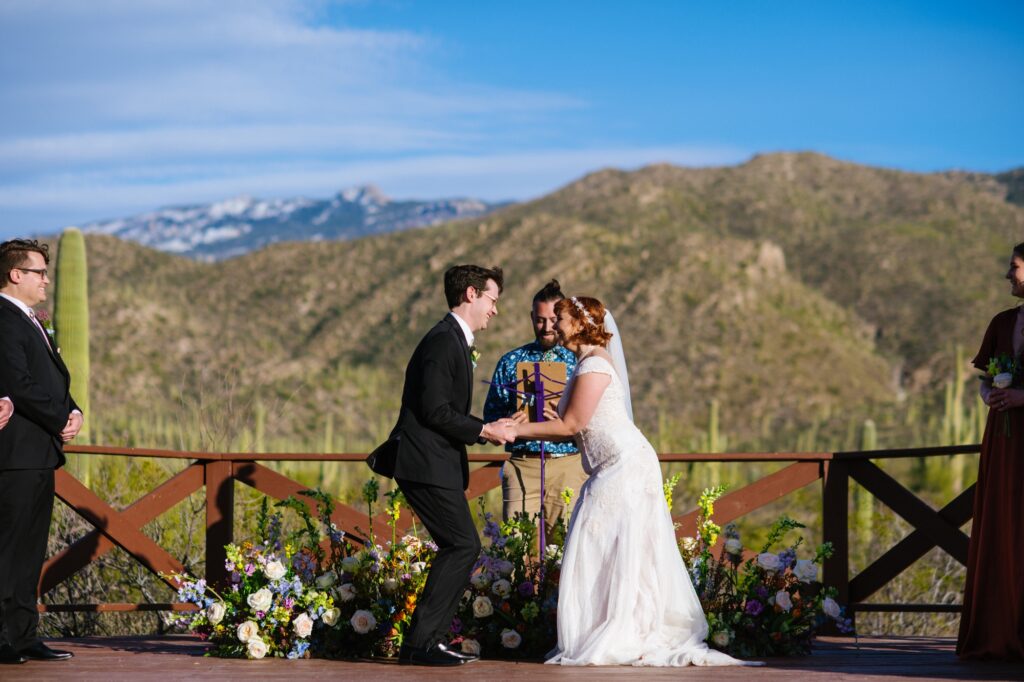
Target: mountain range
796	290
242	224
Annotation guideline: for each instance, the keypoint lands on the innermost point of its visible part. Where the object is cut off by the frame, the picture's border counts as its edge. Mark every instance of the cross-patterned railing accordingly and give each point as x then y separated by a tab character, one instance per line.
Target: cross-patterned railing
217	473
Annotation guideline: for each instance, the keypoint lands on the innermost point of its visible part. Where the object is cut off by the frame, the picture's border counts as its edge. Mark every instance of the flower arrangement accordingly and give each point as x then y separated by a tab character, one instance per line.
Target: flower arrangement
377	587
272	606
769	605
1005	372
510	608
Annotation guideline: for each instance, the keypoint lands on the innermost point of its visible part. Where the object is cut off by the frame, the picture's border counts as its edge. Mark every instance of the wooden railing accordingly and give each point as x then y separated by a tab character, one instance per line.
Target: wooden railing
218	472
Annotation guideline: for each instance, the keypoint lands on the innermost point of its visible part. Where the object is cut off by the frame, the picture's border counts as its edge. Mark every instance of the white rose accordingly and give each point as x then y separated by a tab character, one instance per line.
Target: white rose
350	564
734	546
330	616
504	567
480	581
721	638
806	570
346	592
257	648
363	621
783	601
419	567
215	612
303	625
412	543
552	552
274	570
390	585
482	607
502	588
471	646
510	639
830	607
247	631
261	599
1003	380
768	561
327	579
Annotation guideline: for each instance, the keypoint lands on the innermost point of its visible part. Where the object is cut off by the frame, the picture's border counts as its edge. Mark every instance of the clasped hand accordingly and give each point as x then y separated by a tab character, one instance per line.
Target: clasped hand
1002	399
6	410
73	426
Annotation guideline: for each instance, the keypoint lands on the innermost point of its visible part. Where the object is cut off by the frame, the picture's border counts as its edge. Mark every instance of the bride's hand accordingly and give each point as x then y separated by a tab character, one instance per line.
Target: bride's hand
518	418
551	414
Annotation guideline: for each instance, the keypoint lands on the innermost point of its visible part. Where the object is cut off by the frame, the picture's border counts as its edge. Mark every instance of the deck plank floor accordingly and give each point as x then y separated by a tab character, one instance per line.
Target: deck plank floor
181	658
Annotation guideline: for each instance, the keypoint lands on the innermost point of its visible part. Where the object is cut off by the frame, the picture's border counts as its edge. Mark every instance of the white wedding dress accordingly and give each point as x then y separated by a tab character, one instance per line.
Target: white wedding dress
625	597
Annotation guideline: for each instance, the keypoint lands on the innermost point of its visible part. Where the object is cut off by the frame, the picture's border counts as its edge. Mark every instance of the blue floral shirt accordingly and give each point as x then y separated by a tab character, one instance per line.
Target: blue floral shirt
502	402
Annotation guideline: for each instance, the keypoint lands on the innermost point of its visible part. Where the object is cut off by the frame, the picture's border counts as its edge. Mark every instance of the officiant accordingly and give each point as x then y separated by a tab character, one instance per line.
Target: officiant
520	475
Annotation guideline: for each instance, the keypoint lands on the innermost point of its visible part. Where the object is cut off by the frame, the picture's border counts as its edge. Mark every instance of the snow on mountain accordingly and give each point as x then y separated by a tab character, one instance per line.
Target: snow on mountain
242	224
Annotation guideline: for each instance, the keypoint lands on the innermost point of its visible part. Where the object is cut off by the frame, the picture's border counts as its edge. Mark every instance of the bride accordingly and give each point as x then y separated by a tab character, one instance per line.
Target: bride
624	594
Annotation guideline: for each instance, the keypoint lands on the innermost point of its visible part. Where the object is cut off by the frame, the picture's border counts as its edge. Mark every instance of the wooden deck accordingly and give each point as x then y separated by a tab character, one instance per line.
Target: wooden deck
180	658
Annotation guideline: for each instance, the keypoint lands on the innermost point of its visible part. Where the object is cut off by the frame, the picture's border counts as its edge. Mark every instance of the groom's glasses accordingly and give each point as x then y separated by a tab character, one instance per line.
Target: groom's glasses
494	301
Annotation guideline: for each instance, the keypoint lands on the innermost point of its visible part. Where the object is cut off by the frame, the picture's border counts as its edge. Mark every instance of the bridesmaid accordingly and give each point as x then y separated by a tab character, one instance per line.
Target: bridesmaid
992	624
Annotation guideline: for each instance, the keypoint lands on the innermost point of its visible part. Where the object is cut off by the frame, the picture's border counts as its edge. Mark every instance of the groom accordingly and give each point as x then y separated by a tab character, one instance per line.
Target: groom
428	446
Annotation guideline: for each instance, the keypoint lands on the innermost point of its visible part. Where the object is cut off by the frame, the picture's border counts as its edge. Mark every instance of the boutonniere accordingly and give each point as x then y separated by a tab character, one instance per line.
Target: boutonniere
45	322
474	355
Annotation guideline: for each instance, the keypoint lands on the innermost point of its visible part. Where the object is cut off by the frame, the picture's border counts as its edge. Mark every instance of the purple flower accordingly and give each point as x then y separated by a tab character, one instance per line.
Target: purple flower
289	603
249	568
754	607
761	591
526	589
407	576
456	626
787	558
229	565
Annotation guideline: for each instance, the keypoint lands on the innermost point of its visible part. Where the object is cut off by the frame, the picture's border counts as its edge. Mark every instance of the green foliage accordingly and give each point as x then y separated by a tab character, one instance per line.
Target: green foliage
71	318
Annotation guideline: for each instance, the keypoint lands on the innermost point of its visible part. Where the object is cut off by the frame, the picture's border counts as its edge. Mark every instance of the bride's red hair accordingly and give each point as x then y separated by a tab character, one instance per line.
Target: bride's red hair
591	322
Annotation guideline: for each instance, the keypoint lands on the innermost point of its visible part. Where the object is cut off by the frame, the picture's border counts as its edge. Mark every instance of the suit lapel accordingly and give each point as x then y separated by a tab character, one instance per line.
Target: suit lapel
36	331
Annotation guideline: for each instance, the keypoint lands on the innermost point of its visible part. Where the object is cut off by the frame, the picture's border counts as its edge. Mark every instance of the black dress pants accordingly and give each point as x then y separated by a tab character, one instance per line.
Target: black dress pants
26	503
445	513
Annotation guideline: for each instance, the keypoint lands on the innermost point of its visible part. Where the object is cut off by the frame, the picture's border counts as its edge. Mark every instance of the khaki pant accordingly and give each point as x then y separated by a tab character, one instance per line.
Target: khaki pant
520	487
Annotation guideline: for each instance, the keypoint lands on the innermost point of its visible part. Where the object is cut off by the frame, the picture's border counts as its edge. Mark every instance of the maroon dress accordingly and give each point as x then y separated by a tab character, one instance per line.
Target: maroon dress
992	623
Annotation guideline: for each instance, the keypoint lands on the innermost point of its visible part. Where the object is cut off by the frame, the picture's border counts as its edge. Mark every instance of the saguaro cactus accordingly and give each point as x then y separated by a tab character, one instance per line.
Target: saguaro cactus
71	317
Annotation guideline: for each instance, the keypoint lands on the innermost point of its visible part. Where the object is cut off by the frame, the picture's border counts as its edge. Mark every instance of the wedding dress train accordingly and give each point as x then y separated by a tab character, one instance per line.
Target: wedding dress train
625	597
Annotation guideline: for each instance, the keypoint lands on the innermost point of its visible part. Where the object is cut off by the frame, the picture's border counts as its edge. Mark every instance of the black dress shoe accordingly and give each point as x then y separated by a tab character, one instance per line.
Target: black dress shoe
41	652
9	656
434	655
456	653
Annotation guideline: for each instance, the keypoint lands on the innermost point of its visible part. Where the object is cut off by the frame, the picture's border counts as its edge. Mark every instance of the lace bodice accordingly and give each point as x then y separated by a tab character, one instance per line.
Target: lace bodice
610	434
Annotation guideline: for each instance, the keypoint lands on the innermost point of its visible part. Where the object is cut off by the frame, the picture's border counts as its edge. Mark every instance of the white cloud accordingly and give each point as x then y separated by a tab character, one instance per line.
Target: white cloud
493	176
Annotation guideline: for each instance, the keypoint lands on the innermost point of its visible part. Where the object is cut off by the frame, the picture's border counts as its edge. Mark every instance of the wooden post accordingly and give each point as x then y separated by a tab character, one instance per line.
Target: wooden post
835	529
220	521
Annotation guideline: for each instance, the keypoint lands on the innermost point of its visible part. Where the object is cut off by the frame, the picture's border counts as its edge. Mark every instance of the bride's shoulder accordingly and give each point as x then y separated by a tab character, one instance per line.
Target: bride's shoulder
598	359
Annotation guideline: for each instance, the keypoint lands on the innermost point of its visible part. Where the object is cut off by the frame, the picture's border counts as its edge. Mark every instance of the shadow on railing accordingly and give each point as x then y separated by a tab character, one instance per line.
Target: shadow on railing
217	472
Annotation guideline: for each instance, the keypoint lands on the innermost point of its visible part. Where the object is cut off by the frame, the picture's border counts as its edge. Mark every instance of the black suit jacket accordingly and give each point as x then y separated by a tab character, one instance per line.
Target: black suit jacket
35	378
434	426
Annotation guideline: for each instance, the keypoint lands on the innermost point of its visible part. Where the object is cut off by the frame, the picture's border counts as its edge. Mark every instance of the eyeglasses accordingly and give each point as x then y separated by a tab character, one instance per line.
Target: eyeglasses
494	300
42	272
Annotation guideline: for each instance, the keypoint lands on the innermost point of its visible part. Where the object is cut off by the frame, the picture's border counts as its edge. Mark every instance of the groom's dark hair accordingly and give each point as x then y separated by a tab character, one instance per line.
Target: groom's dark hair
459	277
14	254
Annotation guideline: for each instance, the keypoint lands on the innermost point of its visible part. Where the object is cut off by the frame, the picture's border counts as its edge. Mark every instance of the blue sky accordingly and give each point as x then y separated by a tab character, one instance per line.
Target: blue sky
112	107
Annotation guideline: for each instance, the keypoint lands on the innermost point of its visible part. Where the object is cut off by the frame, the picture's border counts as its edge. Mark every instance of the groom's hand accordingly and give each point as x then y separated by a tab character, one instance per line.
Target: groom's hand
499	432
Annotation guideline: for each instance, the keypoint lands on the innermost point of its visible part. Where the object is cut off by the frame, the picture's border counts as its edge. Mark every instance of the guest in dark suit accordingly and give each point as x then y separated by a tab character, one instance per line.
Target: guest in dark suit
430	466
35	382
